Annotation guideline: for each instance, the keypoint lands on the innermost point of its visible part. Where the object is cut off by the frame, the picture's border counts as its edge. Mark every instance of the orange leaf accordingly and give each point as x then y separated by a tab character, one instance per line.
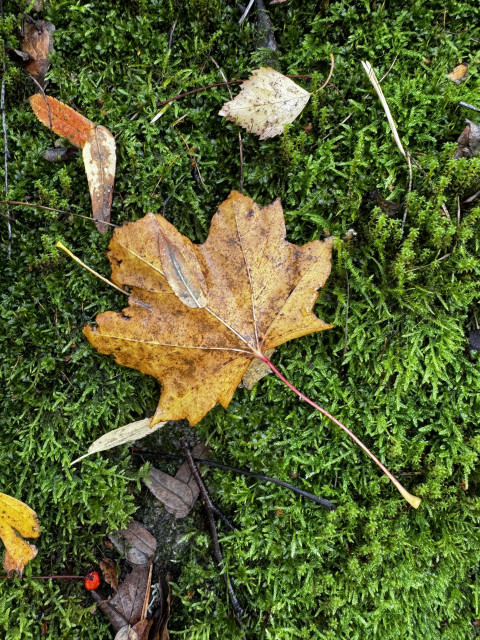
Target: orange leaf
62	119
253	291
16	520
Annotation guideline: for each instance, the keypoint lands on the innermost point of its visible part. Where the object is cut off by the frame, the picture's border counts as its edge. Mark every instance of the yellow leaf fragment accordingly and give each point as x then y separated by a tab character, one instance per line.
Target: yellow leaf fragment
100	159
459	74
267	101
17	521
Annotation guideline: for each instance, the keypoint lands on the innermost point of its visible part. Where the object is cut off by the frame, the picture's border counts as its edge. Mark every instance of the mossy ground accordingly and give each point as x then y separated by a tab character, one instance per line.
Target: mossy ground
407	382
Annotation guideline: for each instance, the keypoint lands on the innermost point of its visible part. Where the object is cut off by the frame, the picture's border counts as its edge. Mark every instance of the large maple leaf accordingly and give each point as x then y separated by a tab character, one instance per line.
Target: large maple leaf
199	314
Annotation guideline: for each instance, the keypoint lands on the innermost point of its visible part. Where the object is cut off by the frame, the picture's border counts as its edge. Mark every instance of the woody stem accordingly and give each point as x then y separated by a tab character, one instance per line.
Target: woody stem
413	500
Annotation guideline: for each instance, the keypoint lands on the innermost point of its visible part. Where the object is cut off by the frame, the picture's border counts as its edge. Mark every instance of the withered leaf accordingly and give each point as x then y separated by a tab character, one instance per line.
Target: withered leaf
127	603
173	493
387	206
109	570
469	141
184	474
161	611
98	146
37	42
260	292
17	521
126	633
60	154
136	542
267	101
459	74
100	159
474	339
62	119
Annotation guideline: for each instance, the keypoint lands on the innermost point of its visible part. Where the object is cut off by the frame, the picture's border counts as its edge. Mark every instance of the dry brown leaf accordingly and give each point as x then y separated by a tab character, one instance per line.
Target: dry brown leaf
468	143
109	570
136	542
100	159
260	292
256	371
17	521
62	119
38	43
161	610
267	101
173	493
459	74
126	633
128	433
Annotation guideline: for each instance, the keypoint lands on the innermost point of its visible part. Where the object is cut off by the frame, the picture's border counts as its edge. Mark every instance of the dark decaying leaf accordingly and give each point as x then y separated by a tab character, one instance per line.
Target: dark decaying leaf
136	542
126	633
161	611
38	43
469	141
109	570
176	495
474	339
100	159
387	206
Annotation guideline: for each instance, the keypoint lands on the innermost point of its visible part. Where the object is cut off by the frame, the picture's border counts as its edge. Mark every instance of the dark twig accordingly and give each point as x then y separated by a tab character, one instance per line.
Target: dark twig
223	518
469	106
249	474
6	152
471	198
40	206
239	613
239	134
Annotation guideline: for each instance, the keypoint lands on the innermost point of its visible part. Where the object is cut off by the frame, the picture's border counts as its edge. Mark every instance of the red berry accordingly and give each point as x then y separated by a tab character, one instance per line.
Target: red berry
92	581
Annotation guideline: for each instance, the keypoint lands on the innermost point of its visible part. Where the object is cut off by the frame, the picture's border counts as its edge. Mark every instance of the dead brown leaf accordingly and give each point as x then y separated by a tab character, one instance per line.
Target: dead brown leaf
136	542
17	521
176	495
109	570
259	289
267	102
100	158
98	146
459	74
37	42
161	611
469	141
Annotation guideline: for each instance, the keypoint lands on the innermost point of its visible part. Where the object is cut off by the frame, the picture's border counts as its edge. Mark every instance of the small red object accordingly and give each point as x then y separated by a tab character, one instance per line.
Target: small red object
92	581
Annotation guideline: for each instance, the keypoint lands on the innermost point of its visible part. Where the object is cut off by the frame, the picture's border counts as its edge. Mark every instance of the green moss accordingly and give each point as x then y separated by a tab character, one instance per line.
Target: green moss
406	381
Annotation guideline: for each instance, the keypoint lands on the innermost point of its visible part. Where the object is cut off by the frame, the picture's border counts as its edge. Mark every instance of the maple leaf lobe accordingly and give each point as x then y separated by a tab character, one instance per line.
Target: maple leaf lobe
257	291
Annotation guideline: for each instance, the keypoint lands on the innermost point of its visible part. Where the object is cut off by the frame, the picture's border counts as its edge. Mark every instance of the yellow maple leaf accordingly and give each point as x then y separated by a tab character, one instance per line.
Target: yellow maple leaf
17	520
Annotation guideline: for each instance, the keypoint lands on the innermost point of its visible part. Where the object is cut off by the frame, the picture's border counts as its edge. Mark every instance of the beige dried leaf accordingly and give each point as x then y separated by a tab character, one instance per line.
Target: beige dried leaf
100	159
459	74
256	371
267	101
128	433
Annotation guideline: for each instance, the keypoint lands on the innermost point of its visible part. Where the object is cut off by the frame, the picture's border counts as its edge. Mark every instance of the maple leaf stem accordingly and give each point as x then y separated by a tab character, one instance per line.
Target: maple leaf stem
72	255
411	499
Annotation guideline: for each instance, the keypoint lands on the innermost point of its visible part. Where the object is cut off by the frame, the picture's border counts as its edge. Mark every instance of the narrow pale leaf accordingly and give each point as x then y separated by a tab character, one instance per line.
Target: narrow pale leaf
62	119
100	159
267	102
17	521
128	433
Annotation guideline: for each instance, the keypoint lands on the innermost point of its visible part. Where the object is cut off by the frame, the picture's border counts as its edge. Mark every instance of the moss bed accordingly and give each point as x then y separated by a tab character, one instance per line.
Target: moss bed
405	380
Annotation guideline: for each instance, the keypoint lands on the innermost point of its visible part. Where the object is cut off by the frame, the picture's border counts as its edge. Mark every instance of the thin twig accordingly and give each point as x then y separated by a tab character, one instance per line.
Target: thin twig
245	13
40	206
472	198
238	611
458	210
170	37
389	69
72	255
346	320
424	266
410	182
332	66
249	474
239	134
6	152
469	106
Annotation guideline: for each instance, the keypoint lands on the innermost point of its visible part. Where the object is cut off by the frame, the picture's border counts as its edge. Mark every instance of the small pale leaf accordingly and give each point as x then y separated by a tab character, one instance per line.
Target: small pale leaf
128	433
267	101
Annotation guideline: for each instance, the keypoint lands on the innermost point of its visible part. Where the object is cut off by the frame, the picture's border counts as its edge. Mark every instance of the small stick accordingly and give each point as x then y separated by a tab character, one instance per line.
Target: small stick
410	182
249	474
245	13
40	206
239	134
239	613
6	152
51	577
471	198
332	65
469	106
458	210
389	69
64	248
